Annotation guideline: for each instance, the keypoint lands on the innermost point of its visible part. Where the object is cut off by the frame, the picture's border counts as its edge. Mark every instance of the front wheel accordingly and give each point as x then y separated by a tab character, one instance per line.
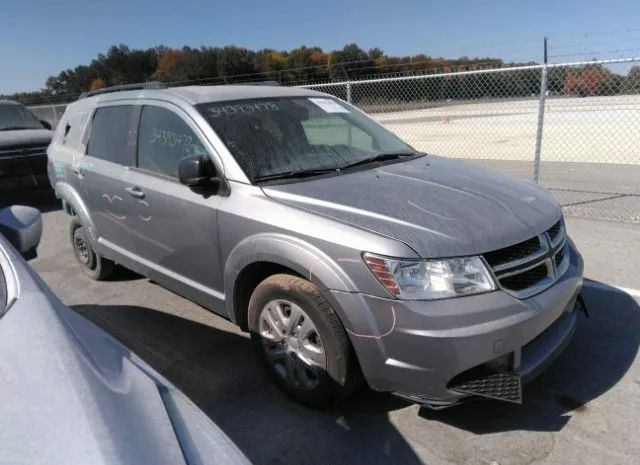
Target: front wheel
301	341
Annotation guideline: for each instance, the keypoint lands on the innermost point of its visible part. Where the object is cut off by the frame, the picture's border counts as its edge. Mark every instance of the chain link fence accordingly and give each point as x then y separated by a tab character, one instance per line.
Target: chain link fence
572	127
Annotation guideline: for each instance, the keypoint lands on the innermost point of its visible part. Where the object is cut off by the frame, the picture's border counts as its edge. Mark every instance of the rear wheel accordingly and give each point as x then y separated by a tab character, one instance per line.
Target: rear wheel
92	264
301	341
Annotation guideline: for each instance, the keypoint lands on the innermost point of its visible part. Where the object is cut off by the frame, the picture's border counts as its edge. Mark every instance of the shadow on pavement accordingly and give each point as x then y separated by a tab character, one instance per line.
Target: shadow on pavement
603	348
219	371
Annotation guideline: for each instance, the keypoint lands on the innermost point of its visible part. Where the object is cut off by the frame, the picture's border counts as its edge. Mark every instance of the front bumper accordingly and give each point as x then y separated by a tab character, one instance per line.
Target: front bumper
420	350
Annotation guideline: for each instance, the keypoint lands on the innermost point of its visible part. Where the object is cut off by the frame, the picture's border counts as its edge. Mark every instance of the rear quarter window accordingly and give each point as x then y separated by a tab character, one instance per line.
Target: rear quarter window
112	136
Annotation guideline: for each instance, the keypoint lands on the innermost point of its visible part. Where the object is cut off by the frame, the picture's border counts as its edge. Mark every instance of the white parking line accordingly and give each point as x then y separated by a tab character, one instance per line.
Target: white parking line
599	285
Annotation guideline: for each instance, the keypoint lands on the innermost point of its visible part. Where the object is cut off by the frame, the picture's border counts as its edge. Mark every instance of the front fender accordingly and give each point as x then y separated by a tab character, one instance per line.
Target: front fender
70	196
302	257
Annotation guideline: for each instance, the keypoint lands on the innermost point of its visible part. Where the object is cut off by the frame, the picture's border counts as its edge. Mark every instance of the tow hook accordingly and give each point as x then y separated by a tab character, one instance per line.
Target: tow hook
583	306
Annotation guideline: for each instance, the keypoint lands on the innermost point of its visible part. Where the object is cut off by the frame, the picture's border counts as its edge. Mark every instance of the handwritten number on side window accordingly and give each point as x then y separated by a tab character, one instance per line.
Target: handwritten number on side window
170	138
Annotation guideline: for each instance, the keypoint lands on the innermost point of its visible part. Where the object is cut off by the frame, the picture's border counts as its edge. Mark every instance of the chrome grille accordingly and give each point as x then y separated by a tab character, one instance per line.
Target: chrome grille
531	266
515	252
23	152
525	279
555	230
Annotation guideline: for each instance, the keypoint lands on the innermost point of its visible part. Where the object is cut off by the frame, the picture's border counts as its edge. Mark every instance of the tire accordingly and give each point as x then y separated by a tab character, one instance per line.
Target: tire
93	265
286	344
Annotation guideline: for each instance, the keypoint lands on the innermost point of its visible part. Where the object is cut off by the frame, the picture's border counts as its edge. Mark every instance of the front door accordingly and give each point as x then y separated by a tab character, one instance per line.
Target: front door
175	230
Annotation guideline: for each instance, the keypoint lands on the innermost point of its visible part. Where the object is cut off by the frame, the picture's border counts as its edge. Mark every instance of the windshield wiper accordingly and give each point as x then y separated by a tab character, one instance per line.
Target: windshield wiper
379	157
15	128
296	174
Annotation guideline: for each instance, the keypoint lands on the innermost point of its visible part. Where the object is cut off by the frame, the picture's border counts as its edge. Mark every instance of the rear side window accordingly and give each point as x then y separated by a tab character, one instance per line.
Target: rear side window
164	139
113	134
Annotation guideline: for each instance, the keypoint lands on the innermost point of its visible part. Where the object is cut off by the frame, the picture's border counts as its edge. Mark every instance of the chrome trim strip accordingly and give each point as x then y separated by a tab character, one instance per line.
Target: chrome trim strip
23	156
542	285
26	151
522	270
556	248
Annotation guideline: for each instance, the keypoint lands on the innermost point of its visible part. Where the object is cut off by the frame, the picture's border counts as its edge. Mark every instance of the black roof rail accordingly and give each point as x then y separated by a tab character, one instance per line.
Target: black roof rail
122	88
254	83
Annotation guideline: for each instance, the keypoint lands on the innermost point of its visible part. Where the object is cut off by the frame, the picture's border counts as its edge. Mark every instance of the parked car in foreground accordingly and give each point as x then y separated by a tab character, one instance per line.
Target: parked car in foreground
71	393
23	147
338	246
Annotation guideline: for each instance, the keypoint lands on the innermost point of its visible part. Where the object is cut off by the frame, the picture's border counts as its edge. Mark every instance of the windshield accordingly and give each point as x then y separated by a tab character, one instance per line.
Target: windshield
297	134
17	117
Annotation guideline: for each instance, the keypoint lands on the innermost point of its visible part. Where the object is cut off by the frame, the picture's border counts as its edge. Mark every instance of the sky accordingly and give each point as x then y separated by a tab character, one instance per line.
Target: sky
39	38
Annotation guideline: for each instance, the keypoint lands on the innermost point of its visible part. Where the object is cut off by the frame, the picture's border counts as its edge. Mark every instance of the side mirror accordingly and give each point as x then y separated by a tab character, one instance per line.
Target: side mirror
22	226
196	171
45	124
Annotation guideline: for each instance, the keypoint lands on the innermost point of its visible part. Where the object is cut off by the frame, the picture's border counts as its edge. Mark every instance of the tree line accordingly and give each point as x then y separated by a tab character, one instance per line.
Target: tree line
231	64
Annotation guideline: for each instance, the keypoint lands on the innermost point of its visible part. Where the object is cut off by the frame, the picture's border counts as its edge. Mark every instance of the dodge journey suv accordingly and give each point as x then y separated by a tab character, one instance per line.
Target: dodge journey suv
344	252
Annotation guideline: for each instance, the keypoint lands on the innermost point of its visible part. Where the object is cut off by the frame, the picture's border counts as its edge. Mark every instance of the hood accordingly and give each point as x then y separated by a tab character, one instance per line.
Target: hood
72	394
25	137
440	207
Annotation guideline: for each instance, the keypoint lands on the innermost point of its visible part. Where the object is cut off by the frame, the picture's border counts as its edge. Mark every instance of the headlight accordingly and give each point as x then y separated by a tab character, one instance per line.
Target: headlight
431	279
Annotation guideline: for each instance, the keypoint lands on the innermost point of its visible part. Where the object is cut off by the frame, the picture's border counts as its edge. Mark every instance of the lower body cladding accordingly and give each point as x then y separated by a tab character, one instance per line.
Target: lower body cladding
439	353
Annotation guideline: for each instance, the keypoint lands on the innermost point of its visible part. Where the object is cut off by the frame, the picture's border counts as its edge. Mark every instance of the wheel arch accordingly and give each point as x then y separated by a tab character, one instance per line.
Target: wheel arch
260	256
75	206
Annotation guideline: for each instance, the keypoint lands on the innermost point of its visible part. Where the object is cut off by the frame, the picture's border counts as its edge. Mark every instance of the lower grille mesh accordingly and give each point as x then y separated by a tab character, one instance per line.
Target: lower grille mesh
501	386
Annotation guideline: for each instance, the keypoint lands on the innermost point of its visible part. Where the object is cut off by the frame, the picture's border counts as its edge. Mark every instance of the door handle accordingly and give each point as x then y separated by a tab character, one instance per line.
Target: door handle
77	168
135	192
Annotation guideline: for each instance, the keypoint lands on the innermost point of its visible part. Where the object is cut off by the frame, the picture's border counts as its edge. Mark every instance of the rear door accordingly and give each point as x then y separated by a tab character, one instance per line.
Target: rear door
176	235
111	151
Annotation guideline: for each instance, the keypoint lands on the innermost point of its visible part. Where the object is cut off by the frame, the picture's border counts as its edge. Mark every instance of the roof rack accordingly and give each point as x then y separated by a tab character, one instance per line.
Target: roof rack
255	83
122	88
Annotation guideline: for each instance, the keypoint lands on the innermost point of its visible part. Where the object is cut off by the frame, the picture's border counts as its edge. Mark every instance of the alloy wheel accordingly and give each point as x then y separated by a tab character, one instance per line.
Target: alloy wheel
292	344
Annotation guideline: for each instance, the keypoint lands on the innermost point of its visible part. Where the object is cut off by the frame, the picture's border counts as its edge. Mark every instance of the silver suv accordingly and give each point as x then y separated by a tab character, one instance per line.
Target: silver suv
344	252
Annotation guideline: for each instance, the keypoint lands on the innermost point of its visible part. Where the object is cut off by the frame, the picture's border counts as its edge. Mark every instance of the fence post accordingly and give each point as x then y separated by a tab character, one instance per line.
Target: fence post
349	91
55	116
541	104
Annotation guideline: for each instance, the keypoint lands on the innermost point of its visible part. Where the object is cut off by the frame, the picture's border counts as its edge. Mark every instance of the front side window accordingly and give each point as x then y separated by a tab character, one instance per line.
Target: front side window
112	134
164	138
292	134
15	117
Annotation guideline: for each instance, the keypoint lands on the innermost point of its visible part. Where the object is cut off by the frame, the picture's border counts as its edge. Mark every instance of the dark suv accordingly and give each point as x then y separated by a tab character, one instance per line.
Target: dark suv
23	147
